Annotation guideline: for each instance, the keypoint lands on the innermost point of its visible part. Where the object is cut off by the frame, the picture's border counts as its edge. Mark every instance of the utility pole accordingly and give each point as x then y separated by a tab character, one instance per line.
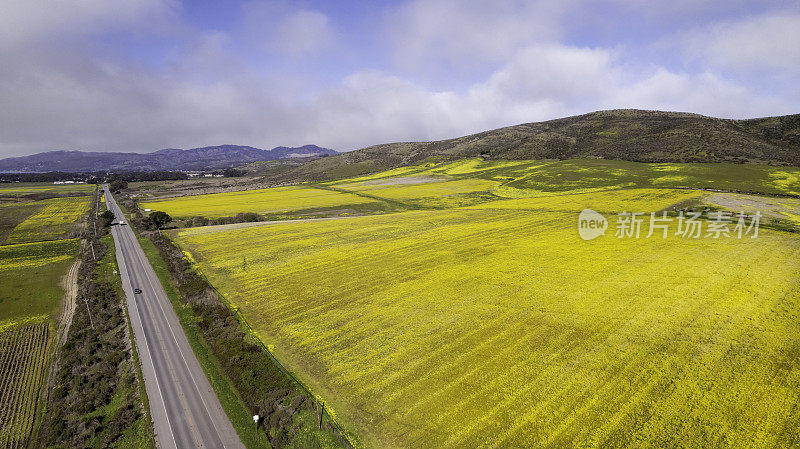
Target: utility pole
91	322
320	411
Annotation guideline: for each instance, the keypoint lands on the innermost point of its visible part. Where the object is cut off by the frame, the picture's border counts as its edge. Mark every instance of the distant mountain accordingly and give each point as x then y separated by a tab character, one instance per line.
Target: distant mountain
626	134
205	158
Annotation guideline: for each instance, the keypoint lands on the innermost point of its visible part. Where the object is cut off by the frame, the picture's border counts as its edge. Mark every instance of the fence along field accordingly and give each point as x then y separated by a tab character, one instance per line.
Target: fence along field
496	326
22	363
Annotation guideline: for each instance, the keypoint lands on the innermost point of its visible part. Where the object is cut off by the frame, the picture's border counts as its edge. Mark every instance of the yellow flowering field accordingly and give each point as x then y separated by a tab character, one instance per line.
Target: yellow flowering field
500	327
29	278
55	218
411	188
278	199
611	202
425	191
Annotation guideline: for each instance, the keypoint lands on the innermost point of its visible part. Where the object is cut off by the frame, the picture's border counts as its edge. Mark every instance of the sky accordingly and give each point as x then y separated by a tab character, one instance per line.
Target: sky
142	75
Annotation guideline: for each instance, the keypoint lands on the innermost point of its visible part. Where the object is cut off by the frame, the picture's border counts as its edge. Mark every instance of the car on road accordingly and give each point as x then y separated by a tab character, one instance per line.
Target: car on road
137	291
121	223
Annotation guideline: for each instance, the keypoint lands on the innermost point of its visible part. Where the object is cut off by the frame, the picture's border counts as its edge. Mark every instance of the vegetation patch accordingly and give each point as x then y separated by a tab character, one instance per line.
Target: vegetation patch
228	354
23	358
55	219
500	326
29	278
279	199
13	214
96	400
40	190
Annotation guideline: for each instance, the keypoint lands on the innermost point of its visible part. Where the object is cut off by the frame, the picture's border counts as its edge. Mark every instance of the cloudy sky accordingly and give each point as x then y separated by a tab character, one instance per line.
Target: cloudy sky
141	75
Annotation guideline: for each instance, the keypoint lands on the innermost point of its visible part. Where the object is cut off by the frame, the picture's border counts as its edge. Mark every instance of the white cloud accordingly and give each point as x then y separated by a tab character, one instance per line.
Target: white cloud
538	83
281	27
303	32
753	44
22	21
59	95
468	32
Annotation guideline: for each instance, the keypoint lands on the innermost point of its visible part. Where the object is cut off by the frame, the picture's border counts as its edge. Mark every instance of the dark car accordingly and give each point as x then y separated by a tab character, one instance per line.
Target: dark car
137	291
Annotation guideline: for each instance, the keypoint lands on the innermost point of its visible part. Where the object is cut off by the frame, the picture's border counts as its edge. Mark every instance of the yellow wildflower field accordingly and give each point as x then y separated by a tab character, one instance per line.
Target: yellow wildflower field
424	191
611	202
55	219
501	327
278	199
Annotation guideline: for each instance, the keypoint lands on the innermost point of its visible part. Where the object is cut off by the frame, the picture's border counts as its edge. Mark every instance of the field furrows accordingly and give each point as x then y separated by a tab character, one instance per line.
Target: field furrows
54	220
498	327
22	362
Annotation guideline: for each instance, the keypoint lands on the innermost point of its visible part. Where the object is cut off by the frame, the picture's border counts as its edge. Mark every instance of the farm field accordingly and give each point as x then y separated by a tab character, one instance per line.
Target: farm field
12	214
279	199
536	178
495	325
583	174
32	263
30	188
55	218
425	191
29	278
23	352
470	182
787	209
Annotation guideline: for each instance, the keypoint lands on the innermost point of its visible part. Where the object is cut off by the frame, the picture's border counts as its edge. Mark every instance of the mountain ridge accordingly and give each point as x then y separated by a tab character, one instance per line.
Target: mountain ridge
202	158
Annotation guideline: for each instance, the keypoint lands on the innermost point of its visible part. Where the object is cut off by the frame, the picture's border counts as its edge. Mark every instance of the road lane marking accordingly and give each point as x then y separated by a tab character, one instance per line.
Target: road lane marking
183	357
144	337
137	254
171	369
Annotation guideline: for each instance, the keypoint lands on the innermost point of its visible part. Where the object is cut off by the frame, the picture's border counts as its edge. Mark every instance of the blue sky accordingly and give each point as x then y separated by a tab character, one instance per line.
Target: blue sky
140	75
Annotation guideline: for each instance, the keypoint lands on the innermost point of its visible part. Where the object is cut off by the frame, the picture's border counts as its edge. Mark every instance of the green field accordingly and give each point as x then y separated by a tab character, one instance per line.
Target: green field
469	182
23	352
32	265
33	188
279	199
496	325
30	293
54	218
532	178
12	214
30	275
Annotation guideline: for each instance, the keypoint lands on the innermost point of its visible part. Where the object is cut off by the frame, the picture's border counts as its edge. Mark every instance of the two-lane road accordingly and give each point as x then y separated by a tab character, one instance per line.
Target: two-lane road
186	412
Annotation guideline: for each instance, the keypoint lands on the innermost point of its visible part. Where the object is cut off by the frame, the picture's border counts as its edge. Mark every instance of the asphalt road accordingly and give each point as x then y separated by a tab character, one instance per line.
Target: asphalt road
186	412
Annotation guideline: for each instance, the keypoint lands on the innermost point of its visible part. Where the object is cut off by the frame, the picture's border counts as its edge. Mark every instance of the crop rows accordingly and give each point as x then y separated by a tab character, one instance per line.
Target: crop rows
29	278
500	327
22	364
54	220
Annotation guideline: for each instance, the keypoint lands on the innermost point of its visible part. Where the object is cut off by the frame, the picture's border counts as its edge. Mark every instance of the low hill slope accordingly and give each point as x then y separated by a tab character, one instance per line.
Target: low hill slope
626	134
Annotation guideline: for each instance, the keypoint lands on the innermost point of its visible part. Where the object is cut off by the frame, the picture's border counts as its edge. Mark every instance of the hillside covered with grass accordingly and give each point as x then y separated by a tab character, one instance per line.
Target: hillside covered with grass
624	134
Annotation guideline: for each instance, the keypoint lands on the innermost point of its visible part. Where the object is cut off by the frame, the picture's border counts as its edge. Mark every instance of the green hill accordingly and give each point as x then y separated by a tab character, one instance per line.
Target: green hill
624	134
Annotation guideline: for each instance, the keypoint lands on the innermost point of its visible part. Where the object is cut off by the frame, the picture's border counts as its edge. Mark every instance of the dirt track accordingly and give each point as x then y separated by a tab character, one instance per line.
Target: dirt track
70	285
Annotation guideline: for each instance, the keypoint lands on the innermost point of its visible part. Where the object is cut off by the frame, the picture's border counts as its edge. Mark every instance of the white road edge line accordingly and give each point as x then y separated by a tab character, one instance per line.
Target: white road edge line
183	357
144	337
